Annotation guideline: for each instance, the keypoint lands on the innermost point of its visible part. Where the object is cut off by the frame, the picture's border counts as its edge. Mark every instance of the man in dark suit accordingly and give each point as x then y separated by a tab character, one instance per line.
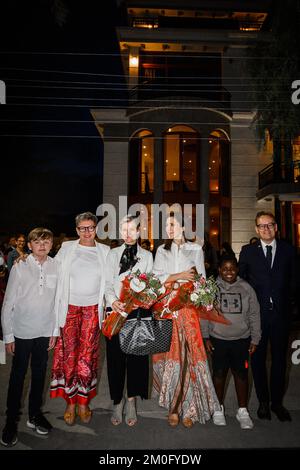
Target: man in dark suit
269	265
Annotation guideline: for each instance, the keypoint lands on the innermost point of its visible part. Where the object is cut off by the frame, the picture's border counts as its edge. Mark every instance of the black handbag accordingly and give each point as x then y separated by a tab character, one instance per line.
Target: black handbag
143	336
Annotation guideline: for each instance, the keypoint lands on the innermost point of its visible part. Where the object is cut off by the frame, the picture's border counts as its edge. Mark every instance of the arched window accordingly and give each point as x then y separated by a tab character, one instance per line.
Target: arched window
181	160
141	163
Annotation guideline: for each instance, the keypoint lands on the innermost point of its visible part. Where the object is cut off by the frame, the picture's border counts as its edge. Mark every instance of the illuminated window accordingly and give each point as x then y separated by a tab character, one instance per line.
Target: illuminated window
181	154
141	163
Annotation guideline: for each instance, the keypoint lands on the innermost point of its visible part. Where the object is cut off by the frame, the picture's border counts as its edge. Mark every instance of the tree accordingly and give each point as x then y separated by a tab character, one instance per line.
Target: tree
273	65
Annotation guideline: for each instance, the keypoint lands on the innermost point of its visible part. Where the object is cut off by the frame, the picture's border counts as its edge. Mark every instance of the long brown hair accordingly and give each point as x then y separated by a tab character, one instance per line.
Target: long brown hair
169	241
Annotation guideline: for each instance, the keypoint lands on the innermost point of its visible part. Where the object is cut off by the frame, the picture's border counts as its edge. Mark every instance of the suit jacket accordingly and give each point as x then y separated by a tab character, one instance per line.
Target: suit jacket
64	258
113	282
277	282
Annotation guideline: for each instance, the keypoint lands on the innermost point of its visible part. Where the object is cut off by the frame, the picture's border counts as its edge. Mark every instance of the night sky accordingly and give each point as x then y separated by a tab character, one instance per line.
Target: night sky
48	180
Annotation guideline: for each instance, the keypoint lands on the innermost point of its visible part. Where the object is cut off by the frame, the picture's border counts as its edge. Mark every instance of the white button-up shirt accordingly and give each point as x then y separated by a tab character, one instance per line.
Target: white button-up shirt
179	258
28	305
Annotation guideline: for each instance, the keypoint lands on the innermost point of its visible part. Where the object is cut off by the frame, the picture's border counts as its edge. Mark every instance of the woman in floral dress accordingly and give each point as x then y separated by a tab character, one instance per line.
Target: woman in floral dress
181	377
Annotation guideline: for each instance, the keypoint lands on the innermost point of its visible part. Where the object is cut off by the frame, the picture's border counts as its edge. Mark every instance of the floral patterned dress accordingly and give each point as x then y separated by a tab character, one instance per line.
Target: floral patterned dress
181	377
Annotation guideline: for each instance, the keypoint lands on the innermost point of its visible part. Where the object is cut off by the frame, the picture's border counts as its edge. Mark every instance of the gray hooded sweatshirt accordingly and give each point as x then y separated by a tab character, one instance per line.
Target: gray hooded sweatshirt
239	304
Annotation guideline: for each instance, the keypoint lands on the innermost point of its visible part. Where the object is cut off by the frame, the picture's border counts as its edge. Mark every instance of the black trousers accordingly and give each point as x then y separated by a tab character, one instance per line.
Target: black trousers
120	366
277	334
24	349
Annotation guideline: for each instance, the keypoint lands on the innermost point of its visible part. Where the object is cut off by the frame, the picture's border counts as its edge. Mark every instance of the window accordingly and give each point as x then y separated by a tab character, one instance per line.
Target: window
141	163
181	154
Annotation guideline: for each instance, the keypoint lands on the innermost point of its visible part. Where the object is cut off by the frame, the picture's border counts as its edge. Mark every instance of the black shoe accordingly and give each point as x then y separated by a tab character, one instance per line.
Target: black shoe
40	424
9	435
281	413
263	411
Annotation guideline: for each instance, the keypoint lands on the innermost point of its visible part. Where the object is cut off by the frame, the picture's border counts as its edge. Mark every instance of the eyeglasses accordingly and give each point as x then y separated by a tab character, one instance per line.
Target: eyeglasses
90	228
270	226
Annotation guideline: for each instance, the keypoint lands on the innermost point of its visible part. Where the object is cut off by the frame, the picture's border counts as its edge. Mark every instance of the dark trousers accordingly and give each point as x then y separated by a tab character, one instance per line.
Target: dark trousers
118	364
24	349
277	334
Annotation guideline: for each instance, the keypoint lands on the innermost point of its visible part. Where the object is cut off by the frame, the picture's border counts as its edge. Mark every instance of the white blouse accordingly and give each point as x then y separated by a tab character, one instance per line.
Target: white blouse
28	306
85	276
179	258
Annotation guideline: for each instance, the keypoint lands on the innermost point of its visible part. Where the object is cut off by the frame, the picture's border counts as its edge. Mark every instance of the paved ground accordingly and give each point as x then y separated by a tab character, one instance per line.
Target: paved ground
152	430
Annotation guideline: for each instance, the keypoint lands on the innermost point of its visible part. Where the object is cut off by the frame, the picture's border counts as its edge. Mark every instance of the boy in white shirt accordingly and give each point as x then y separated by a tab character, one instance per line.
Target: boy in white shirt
29	331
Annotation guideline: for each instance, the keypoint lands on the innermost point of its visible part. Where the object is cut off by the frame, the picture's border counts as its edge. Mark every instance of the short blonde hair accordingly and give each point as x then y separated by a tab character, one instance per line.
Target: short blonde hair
40	233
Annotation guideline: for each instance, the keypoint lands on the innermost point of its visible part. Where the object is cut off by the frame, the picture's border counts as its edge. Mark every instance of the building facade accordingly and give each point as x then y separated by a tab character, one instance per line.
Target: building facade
185	134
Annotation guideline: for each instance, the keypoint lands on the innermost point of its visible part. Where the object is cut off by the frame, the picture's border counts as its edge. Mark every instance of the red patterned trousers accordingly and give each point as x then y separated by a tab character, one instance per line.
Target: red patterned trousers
75	361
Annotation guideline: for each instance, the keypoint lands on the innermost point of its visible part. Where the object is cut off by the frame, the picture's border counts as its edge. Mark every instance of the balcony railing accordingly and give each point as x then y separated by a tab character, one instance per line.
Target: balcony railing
284	173
196	91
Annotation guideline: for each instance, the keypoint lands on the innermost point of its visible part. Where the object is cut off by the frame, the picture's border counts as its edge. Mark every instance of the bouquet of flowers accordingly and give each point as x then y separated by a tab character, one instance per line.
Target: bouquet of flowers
176	296
138	290
203	299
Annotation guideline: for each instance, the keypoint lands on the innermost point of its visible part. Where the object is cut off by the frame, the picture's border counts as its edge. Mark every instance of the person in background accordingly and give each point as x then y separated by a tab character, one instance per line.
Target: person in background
226	250
19	251
230	345
210	257
269	265
29	331
120	366
253	240
79	309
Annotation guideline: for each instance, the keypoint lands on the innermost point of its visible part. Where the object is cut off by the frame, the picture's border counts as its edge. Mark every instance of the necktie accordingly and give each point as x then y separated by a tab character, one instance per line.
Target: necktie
269	255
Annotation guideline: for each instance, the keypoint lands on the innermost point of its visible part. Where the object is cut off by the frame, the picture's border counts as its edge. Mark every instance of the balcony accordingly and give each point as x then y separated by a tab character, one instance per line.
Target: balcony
193	94
282	179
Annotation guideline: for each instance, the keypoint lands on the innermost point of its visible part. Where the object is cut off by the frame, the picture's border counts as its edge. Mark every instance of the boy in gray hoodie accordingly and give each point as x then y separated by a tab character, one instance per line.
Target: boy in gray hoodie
231	345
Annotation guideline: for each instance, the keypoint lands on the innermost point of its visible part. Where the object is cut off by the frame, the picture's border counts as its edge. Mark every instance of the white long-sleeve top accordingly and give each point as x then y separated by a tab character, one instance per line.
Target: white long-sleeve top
177	259
113	283
85	277
65	257
28	306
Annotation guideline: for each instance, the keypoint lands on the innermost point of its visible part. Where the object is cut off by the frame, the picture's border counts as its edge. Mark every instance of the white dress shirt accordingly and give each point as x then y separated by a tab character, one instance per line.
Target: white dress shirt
113	282
273	245
28	306
179	258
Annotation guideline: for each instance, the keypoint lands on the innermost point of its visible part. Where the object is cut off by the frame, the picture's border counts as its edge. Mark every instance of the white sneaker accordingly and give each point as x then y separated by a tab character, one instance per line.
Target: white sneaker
244	419
219	417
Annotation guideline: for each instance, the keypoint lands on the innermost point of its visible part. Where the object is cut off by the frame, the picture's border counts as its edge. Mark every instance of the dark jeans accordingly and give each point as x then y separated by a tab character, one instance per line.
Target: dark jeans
24	348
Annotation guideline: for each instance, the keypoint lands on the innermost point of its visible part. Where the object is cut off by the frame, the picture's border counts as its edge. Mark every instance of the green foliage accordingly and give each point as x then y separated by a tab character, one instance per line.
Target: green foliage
273	65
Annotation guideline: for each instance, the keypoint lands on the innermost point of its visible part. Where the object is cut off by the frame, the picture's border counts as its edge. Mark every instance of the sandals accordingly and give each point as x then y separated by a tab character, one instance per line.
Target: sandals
173	420
117	415
70	416
187	423
85	414
130	413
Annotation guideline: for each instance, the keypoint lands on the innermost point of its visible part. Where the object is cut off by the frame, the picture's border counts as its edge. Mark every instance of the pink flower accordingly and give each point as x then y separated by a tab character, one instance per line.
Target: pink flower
202	280
209	307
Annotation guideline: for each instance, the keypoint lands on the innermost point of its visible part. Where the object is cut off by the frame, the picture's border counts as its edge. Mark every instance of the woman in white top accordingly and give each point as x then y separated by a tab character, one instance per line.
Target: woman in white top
79	309
181	377
120	261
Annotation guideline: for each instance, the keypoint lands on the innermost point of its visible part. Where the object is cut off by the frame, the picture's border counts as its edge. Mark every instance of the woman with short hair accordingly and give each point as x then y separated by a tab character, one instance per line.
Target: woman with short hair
79	308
